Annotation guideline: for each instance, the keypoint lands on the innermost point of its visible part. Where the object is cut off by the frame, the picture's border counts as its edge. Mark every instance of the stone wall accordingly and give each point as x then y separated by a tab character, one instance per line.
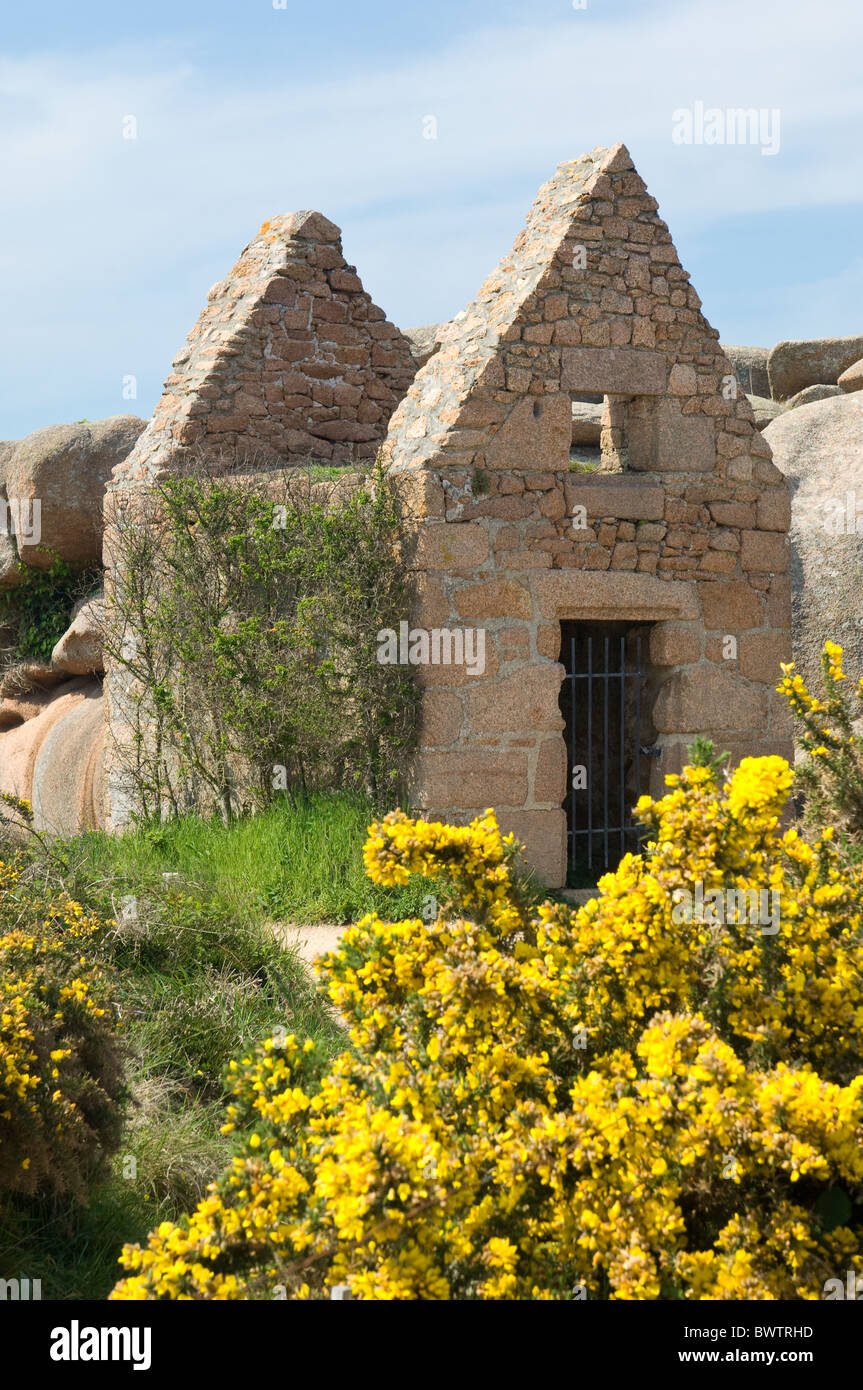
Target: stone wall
290	360
685	525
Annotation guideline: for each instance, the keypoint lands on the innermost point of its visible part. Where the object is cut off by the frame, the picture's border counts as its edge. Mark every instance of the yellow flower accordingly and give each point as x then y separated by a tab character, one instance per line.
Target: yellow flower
534	1101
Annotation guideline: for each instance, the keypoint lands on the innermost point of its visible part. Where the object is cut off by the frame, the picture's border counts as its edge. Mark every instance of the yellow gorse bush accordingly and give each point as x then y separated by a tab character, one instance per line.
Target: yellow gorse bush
831	775
60	1067
624	1101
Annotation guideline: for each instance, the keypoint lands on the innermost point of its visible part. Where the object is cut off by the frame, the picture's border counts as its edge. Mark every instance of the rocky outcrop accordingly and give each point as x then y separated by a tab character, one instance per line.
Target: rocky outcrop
813	393
79	650
819	448
53	758
424	341
852	378
764	410
55	481
750	366
10	568
28	676
810	362
52	487
17	709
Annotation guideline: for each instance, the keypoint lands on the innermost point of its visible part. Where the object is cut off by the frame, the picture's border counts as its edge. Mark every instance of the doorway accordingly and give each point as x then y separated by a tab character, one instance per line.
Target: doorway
609	740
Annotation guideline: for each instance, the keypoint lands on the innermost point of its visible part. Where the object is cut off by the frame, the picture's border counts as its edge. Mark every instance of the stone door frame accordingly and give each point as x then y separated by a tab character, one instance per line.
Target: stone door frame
590	595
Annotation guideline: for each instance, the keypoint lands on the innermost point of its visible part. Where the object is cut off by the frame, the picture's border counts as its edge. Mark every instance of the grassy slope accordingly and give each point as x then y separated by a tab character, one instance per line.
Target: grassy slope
303	865
198	978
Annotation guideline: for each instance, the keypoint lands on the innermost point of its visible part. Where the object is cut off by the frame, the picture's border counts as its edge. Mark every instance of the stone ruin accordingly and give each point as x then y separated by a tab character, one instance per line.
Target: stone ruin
681	531
669	547
290	360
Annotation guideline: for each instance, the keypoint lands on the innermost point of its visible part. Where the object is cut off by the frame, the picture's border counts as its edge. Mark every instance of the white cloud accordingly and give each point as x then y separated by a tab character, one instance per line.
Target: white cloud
100	233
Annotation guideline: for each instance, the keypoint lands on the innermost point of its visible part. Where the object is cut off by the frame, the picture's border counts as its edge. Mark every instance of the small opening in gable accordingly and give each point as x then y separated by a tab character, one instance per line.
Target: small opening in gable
585	455
614	436
612	433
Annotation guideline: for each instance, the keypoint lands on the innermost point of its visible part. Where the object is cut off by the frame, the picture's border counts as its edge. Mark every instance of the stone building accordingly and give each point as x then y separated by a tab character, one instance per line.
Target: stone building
628	602
624	602
289	362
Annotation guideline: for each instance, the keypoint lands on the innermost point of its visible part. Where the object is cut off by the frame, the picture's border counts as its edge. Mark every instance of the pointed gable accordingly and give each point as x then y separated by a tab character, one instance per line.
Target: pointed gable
591	299
289	359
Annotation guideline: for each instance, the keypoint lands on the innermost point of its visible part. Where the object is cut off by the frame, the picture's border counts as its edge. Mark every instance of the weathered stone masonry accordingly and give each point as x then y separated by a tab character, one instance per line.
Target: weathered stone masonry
684	527
290	360
686	524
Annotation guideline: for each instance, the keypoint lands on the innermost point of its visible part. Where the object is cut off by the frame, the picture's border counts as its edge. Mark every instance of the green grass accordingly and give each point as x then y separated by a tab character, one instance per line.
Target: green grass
577	465
73	1249
328	472
194	988
300	865
198	977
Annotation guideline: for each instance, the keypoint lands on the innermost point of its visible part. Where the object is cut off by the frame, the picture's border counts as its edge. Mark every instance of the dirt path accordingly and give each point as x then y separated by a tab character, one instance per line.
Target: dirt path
310	941
315	940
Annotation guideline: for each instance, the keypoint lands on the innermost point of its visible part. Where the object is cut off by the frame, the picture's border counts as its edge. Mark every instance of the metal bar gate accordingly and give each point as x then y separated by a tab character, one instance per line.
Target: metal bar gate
601	703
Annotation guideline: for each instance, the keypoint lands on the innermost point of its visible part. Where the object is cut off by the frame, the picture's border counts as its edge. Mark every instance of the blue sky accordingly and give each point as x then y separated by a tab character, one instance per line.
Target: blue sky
243	111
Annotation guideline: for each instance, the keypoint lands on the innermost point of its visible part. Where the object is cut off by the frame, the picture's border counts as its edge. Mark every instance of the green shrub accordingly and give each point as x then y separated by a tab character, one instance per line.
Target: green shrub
60	1060
39	608
632	1101
245	620
830	775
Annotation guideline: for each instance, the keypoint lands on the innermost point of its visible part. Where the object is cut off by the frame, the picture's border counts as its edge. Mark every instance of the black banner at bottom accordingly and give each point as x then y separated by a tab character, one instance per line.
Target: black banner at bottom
81	1341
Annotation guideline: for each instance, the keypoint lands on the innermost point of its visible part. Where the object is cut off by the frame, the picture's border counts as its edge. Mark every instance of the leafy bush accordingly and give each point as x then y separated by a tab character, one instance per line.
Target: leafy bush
39	608
60	1062
831	774
634	1100
244	622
